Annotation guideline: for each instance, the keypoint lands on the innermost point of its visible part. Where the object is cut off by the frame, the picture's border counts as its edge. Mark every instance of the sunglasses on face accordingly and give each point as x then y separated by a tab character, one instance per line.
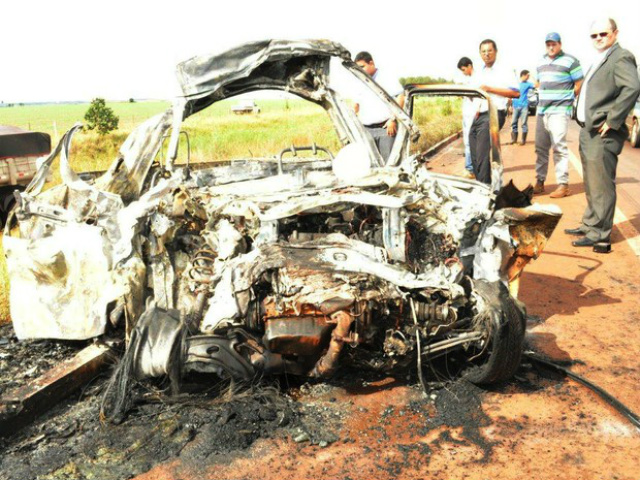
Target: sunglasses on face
601	35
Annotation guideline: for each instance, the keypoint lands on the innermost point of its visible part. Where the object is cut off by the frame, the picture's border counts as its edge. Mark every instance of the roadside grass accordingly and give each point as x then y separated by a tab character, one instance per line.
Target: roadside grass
228	136
215	134
437	118
55	119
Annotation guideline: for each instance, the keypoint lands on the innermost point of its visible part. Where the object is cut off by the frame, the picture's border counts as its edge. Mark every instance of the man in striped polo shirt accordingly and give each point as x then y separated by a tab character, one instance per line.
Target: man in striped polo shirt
559	80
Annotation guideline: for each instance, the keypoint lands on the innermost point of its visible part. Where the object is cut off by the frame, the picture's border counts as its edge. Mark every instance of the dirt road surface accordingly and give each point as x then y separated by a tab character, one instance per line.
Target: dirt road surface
584	312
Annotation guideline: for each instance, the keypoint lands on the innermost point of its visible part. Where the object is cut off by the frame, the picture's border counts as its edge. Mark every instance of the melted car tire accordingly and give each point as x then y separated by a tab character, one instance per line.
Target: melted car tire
502	356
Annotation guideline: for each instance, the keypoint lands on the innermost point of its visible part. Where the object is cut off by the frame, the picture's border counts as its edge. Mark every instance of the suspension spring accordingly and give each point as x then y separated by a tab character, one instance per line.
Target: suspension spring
434	312
202	263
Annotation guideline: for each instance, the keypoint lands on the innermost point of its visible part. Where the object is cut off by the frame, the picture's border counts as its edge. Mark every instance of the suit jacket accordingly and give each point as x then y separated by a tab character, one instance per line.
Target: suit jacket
612	90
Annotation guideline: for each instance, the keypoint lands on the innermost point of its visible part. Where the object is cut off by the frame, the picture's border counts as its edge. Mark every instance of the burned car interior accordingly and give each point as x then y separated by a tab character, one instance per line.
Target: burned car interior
295	264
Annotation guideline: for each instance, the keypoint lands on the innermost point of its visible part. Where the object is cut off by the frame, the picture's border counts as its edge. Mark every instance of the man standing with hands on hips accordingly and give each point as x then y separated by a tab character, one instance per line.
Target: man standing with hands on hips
608	94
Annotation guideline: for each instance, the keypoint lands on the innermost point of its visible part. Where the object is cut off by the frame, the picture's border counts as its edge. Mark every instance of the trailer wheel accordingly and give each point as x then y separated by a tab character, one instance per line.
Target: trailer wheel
7	202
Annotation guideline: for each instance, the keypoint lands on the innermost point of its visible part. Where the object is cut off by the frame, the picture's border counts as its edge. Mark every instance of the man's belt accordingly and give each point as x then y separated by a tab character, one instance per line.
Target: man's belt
503	111
377	125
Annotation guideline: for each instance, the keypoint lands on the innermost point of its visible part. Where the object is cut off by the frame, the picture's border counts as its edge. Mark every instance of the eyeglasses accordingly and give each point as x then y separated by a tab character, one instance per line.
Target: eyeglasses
601	35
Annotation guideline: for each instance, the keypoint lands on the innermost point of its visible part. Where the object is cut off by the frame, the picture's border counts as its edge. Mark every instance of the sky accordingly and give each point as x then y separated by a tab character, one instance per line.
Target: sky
70	50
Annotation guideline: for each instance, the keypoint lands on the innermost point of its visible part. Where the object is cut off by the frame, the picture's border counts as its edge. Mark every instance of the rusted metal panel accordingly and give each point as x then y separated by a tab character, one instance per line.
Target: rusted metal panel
304	335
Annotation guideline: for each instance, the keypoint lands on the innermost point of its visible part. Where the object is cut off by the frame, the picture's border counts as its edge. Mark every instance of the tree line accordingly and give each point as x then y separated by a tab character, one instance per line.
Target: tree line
424	80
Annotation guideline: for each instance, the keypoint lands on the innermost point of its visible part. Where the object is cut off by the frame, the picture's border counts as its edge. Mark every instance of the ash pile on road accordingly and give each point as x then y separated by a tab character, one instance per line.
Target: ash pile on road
217	426
71	441
460	405
23	361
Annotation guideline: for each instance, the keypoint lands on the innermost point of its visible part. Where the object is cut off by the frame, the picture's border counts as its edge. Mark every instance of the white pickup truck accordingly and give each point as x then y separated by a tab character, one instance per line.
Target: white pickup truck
19	150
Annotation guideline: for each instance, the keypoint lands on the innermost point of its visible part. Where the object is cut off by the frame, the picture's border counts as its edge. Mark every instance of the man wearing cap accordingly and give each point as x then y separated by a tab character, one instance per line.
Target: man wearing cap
559	78
374	115
501	85
609	93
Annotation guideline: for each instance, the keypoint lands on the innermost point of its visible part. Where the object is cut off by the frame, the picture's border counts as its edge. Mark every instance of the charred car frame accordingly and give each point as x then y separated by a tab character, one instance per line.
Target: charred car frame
250	267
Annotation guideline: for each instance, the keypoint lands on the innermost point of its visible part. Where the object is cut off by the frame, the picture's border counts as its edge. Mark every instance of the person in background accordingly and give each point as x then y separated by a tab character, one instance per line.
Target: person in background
500	84
611	88
374	114
469	108
521	109
559	78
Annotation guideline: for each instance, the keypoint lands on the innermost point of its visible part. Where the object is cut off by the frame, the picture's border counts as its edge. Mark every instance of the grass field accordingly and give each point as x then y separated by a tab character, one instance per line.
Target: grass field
215	134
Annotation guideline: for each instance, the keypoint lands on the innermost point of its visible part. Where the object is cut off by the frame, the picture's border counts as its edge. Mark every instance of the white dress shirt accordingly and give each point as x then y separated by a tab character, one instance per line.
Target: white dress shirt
372	110
581	109
498	77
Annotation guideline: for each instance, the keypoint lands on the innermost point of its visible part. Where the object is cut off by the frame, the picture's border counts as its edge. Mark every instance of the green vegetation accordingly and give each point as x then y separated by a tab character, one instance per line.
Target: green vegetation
424	80
437	118
214	134
100	118
55	119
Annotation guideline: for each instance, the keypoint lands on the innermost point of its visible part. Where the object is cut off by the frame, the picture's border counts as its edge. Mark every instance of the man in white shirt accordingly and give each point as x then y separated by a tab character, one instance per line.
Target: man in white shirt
501	85
373	113
608	94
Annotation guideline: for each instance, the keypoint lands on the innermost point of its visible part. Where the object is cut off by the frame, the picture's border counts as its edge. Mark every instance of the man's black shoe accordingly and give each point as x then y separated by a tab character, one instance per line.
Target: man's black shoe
574	231
583	242
602	247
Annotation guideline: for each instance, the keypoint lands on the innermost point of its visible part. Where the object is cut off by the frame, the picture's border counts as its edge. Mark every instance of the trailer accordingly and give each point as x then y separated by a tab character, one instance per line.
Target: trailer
19	151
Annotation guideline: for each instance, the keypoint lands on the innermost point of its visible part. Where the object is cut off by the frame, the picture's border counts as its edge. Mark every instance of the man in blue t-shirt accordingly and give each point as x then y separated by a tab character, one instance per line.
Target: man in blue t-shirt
521	109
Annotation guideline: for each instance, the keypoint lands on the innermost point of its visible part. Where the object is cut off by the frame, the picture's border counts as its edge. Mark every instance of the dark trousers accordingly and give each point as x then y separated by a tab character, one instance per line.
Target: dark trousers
480	146
382	140
599	162
502	116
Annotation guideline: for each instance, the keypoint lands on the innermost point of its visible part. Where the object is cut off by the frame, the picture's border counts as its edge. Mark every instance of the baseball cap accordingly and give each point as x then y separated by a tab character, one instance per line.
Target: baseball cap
553	37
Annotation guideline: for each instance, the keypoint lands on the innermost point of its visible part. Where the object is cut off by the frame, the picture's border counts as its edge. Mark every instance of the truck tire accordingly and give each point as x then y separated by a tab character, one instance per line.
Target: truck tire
7	202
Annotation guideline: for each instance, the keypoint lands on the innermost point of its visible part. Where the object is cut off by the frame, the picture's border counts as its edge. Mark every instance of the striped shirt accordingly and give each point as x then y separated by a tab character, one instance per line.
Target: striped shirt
557	77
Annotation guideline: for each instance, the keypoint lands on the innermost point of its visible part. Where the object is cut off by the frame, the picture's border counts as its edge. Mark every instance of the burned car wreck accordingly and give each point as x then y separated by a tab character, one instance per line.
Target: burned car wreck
285	265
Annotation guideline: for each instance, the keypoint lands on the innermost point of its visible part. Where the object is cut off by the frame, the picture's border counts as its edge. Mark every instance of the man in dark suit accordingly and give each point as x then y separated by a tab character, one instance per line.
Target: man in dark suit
608	94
